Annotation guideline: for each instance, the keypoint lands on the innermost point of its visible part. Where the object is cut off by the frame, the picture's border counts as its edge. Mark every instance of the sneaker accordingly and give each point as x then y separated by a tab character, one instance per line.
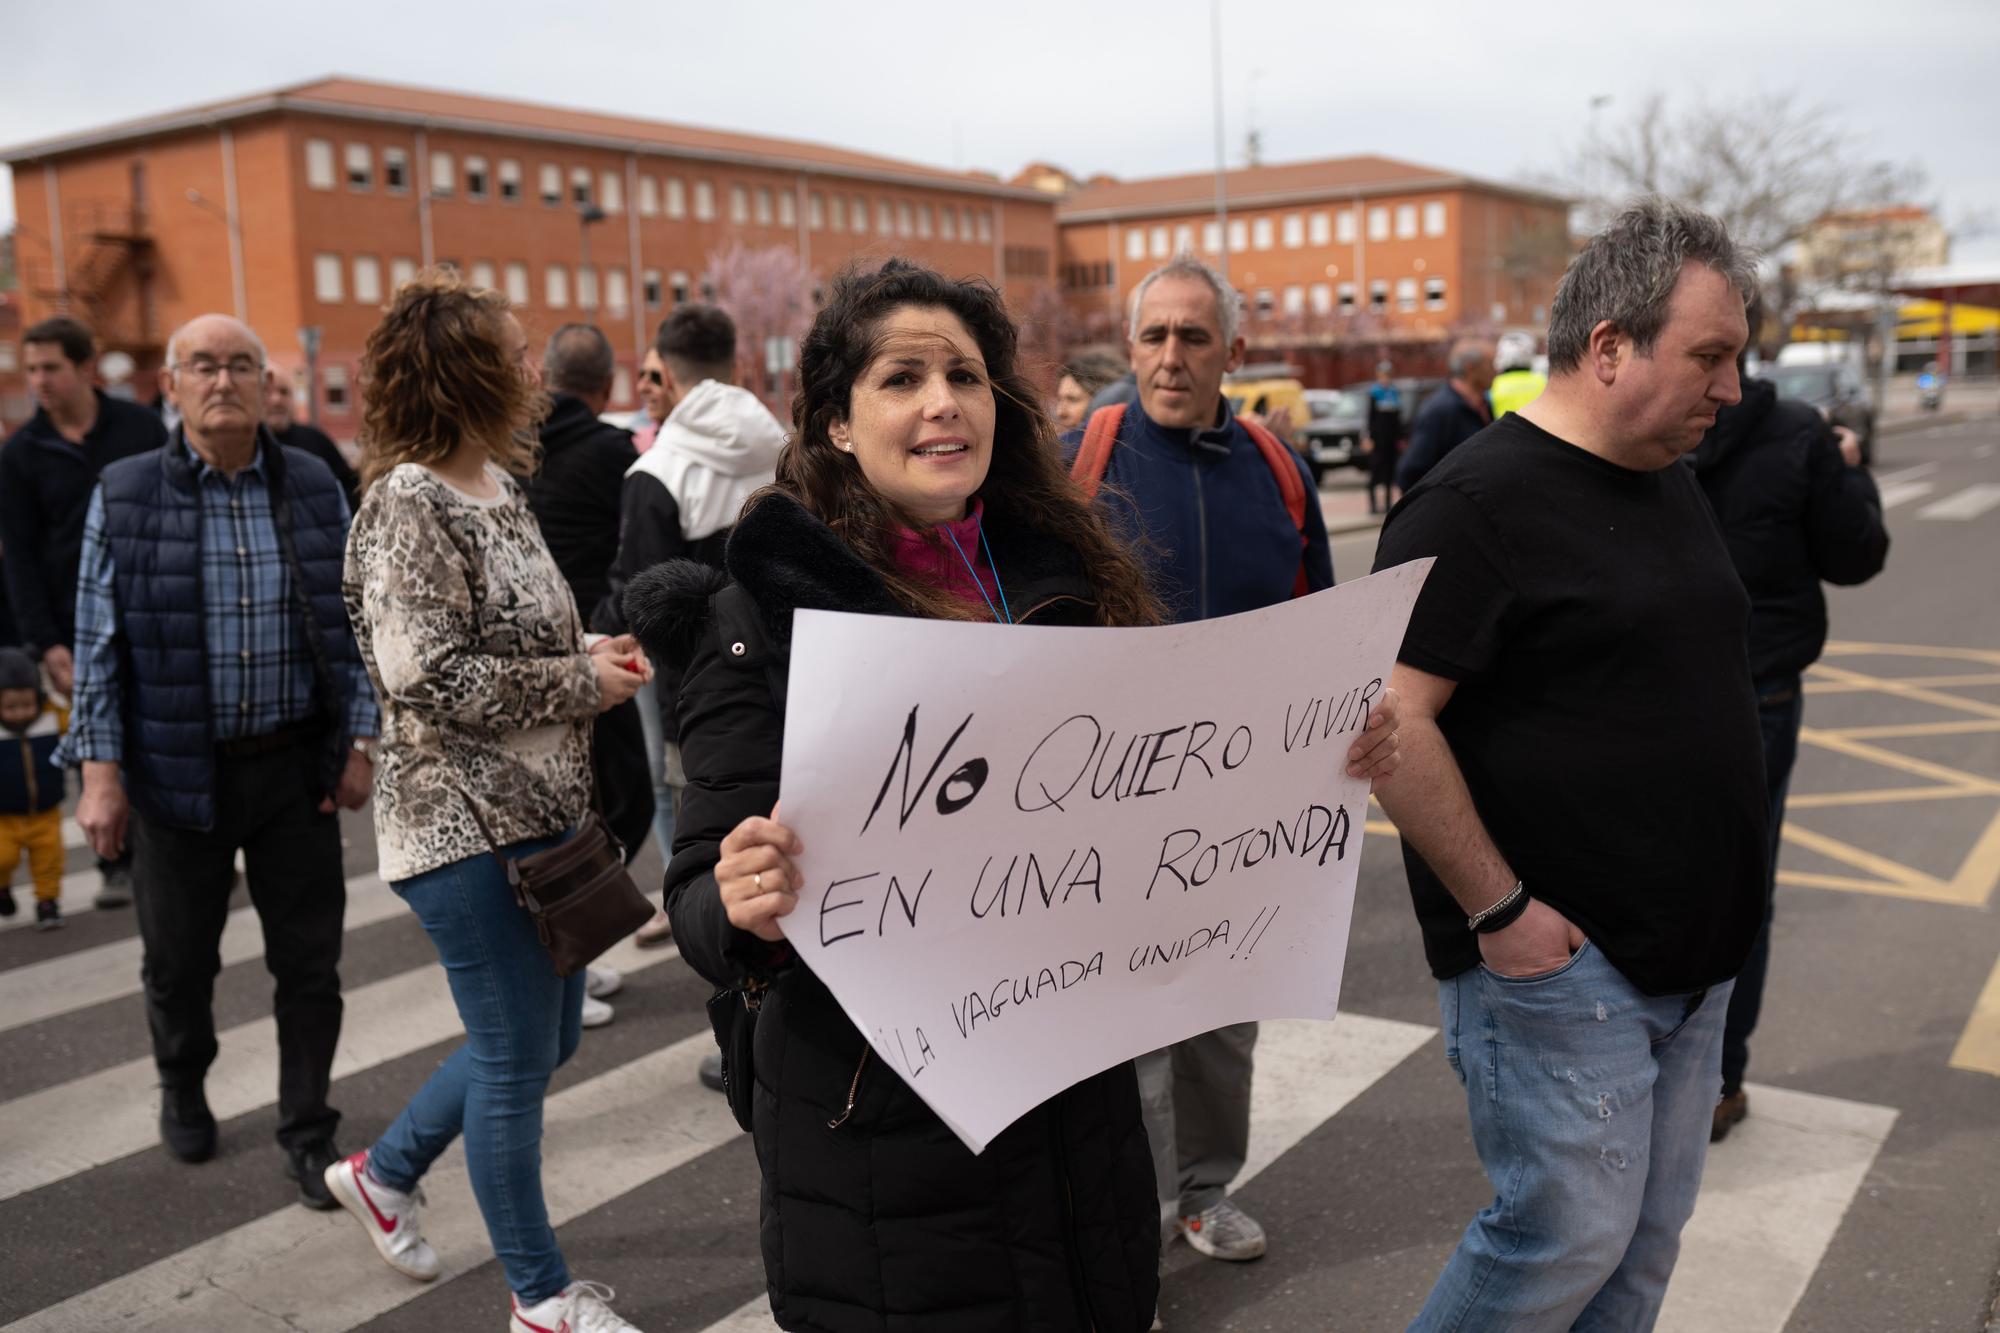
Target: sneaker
581	1307
1729	1113
388	1216
7	904
187	1126
596	1013
48	916
117	889
307	1164
601	983
1224	1232
655	932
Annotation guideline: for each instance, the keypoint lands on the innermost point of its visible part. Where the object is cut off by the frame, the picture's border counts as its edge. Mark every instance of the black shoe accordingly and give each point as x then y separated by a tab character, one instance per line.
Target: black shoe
307	1164
117	890
187	1126
48	916
7	904
711	1070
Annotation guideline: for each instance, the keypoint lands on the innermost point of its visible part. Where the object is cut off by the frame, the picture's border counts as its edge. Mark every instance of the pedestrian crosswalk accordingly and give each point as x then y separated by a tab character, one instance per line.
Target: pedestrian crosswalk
1954	503
1774	1196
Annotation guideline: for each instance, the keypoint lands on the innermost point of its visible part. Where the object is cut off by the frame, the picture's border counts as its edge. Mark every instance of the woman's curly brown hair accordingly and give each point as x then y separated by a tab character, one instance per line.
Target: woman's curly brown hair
437	372
1025	481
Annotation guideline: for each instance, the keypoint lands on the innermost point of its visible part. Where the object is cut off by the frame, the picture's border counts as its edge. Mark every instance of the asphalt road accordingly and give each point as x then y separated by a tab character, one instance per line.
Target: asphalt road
1862	1194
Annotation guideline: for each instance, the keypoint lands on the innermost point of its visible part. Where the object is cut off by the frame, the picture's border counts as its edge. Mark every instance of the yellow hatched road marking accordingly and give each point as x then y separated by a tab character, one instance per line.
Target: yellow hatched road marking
1972	783
1978	1048
1934	682
1821	800
1911	730
1900	690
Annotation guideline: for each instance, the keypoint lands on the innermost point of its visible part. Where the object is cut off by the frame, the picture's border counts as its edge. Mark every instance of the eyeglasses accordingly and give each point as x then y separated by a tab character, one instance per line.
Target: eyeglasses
207	370
652	377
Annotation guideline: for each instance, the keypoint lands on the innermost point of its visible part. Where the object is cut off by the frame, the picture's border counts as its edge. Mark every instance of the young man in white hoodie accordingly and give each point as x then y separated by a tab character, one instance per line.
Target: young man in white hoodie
717	445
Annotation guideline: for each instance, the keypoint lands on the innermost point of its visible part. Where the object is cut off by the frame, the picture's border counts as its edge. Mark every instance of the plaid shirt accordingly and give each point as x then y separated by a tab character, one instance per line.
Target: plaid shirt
260	674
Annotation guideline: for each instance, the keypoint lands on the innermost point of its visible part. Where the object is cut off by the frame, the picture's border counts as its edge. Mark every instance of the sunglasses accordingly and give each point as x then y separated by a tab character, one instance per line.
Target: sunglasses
652	377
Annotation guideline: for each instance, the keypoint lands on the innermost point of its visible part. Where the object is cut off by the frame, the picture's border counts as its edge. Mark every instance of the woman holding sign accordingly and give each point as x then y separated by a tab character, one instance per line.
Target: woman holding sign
922	479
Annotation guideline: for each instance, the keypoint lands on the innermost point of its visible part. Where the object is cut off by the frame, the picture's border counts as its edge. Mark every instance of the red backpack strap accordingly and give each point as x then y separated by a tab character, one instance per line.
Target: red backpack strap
1094	455
1278	456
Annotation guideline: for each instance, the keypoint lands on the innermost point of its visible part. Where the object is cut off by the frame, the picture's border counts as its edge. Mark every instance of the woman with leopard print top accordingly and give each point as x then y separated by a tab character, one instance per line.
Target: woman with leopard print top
477	652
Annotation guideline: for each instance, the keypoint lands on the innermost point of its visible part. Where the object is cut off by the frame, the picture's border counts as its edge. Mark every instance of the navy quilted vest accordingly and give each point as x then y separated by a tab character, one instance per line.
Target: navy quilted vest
152	521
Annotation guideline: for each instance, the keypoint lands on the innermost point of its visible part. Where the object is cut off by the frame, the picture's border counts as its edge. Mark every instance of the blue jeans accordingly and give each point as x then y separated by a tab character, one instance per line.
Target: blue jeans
1780	713
1590	1105
521	1021
656	762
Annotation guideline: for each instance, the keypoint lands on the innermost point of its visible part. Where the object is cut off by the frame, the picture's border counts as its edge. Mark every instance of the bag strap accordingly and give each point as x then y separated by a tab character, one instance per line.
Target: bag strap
508	866
1094	455
1284	467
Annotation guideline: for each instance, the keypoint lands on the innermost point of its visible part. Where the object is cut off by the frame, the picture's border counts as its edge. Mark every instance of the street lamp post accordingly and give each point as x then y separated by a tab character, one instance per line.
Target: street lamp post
586	216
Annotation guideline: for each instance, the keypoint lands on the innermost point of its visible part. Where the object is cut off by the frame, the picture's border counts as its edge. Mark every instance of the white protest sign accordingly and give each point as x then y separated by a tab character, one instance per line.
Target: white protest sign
1032	852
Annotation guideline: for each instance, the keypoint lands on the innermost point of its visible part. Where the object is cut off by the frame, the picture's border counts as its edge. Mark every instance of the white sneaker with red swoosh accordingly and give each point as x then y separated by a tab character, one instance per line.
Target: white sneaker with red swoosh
388	1216
581	1307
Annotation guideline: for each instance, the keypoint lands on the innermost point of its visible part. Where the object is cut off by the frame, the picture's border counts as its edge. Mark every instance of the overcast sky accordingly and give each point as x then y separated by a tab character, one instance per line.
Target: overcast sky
1499	90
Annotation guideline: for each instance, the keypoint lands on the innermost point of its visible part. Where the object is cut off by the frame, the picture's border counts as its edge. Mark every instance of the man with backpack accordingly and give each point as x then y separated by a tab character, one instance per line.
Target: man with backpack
1227	519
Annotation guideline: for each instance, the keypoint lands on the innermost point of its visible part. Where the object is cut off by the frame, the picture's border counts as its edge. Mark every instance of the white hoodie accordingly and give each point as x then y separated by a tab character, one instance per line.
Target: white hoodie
715	448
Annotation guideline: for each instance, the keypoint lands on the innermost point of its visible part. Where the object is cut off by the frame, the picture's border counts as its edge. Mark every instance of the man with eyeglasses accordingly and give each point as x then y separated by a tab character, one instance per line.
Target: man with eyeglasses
221	707
47	471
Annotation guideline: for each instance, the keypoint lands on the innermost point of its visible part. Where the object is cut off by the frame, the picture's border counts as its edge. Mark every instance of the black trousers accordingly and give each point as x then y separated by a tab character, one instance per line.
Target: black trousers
267	805
624	779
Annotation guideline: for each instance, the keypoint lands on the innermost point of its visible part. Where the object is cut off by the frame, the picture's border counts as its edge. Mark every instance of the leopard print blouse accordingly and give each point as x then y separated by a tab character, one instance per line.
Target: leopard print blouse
476	651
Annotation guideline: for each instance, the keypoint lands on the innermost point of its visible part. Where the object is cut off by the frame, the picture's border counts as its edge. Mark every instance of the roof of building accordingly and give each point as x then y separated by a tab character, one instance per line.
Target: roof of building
1849	217
401	104
1280	183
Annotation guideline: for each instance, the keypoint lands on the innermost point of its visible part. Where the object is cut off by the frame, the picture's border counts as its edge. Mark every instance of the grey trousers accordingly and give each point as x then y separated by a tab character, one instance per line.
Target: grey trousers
1195	1096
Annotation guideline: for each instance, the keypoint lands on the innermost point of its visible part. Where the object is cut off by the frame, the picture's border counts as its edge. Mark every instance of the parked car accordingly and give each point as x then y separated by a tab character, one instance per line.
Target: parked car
1268	391
1336	419
1837	390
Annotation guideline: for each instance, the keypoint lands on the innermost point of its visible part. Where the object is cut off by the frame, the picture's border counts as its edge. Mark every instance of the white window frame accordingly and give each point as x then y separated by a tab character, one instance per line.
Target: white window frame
761	210
555	287
948	222
320	172
550	184
478	180
984	219
676	202
1319	228
836	211
857	214
1239	236
611	191
395	162
329	279
1184	239
678	286
788	209
652	289
579	187
401	270
1378	294
1436	220
1295	231
905	218
444	175
333	395
358	158
649	197
1406	222
1345	229
1347	298
1434	294
481	274
1211	237
1406	295
885	218
1135	242
617	291
515	275
1378	223
923	222
507	179
739	205
1161	242
1262	234
704	201
1295	299
1319	298
586	287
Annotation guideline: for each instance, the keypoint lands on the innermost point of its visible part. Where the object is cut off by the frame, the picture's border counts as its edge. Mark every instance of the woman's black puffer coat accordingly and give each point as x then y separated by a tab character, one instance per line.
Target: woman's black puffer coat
885	1223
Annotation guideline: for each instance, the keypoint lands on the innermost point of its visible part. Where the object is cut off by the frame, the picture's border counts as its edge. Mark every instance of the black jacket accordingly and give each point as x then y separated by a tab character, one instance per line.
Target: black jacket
302	435
887	1222
574	497
1793	514
45	486
1444	422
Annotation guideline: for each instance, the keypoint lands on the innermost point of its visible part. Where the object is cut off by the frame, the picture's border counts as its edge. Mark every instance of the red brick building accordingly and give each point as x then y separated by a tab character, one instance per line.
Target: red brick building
303	208
1362	252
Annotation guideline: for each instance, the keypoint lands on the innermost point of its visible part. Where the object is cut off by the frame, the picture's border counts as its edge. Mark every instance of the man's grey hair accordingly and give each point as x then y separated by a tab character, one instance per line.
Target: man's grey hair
1228	305
1626	274
578	360
174	339
1466	354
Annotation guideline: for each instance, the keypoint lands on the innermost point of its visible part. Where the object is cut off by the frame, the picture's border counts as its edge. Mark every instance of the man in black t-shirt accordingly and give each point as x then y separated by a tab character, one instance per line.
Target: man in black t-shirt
1581	798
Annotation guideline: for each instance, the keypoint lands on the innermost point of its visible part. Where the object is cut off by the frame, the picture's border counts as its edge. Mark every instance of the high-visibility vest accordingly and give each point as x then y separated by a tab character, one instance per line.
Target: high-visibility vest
1515	389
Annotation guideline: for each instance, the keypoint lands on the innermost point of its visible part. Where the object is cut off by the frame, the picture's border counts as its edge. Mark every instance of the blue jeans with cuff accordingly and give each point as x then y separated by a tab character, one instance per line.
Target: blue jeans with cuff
1590	1104
521	1022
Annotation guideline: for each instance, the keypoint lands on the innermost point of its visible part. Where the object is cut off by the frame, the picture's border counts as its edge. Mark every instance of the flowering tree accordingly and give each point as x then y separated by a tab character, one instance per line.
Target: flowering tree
768	293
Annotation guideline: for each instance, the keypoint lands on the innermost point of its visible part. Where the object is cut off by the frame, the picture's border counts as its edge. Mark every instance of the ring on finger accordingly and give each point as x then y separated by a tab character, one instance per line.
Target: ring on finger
758	880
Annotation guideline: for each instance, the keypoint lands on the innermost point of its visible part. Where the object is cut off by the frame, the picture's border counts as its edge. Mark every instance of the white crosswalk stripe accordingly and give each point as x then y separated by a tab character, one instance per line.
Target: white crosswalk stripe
1963	506
1902	492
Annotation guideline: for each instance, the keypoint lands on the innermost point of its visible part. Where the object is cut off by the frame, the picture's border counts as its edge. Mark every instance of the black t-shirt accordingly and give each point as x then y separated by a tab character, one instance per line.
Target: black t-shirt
1604	717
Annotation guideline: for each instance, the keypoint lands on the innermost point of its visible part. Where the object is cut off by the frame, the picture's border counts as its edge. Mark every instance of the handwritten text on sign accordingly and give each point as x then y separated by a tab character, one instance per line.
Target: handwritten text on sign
1033	852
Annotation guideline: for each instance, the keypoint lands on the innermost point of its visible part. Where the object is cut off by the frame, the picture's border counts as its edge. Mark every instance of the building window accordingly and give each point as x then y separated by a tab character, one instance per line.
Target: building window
1433	293
326	279
1211	237
1343	226
517	283
579	186
1295	231
551	175
395	171
401	270
676	198
611	192
885	218
739	204
510	180
481	274
1319	229
319	164
333	389
1184	239
815	211
704	201
837	211
1260	234
650	289
555	287
1264	302
1406	222
1406	293
1321	295
858	214
649	197
586	287
360	167
948	223
1346	298
617	292
1162	243
475	179
444	175
10	358
985	220
621	385
904	226
677	282
1295	300
1434	218
1378	295
923	222
1239	235
763	206
788	209
1135	244
1378	224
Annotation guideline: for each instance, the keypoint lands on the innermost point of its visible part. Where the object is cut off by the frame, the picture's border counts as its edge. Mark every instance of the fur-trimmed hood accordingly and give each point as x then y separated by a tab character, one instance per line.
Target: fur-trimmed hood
786	559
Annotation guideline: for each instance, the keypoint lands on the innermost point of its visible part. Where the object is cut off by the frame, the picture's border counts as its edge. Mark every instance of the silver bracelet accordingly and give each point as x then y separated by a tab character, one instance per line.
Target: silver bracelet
1498	906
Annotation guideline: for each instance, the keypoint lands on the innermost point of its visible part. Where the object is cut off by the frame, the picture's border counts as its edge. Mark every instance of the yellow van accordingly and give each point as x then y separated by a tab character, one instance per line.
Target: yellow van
1273	393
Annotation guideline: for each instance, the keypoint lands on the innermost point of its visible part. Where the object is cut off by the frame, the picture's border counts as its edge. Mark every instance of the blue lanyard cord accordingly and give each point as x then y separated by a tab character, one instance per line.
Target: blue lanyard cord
1002	613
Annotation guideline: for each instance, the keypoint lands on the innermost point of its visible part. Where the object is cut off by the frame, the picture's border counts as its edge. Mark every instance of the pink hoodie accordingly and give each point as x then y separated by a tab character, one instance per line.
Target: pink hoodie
943	569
